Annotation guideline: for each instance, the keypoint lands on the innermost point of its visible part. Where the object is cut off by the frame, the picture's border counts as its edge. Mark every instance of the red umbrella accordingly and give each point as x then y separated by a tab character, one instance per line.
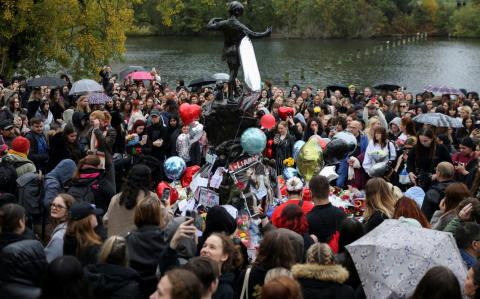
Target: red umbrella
141	75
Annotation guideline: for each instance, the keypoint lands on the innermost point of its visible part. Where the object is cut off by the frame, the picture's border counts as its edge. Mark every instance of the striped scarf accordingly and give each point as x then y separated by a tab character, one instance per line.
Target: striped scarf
23	155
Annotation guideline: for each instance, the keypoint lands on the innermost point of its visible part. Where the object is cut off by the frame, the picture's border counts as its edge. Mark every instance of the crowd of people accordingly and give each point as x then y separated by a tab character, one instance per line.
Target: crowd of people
80	216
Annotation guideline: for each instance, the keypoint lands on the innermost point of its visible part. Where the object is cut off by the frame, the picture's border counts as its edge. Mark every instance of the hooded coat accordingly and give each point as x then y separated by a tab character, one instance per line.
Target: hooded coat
113	281
323	281
55	180
146	247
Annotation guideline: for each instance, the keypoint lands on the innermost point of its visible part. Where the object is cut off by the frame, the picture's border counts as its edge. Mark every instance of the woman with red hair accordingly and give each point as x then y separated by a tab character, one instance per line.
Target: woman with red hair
294	219
408	208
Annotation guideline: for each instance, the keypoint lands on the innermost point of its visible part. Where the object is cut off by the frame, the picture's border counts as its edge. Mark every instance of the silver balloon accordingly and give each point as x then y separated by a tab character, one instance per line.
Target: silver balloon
378	169
183	146
296	148
348	138
195	131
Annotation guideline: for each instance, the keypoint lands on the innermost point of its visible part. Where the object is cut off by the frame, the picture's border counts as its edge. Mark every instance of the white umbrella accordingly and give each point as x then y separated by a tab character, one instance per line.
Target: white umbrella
85	86
438	120
393	257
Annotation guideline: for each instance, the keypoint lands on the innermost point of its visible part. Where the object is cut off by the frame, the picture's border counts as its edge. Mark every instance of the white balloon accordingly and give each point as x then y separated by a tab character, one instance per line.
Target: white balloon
195	131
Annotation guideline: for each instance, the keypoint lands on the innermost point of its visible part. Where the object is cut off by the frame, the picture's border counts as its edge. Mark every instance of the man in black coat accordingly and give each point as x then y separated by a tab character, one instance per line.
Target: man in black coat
157	139
324	219
444	176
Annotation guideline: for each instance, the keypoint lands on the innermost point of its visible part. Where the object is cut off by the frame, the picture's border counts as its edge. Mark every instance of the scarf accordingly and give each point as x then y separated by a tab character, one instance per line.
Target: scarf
23	155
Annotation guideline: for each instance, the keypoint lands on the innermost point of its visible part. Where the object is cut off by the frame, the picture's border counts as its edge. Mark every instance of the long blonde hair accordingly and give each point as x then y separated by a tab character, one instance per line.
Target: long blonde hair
379	197
81	109
114	251
370	123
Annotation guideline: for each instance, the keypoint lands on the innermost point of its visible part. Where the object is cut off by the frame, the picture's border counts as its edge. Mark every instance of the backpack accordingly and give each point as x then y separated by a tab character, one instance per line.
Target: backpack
83	192
31	193
8	175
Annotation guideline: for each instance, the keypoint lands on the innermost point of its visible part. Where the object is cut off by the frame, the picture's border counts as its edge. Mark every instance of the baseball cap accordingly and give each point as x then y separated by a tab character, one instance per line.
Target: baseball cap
155	112
6	124
80	210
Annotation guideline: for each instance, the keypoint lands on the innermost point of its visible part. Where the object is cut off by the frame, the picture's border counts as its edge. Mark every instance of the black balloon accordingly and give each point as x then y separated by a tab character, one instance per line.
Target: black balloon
336	151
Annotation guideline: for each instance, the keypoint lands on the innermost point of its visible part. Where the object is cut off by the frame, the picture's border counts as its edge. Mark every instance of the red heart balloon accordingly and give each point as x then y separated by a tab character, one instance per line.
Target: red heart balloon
173	192
284	112
189	113
188	175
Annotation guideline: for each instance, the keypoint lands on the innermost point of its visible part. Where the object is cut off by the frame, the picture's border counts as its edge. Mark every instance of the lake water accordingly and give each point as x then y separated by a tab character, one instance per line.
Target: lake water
413	64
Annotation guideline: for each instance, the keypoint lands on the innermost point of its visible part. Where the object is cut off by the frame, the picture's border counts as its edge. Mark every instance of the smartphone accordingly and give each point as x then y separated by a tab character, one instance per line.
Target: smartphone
144	138
165	195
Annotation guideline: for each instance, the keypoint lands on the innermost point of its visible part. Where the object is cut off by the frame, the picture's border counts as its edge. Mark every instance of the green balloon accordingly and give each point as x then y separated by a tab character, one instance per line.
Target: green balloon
310	159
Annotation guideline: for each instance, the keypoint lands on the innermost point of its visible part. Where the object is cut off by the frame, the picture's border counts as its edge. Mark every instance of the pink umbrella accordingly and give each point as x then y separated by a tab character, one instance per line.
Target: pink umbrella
141	75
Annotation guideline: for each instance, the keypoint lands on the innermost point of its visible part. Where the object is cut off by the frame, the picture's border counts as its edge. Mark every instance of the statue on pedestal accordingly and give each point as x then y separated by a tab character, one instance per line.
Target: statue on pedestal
234	31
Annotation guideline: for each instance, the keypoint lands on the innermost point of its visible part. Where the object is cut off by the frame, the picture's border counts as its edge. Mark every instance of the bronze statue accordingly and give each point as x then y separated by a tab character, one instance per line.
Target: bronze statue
233	32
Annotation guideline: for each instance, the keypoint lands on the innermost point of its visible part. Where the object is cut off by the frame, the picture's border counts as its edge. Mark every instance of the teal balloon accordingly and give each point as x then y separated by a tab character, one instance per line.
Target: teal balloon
289	172
253	141
174	167
296	148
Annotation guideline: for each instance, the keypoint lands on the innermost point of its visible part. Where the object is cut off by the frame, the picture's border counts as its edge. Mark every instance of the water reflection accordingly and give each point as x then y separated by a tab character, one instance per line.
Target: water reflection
414	65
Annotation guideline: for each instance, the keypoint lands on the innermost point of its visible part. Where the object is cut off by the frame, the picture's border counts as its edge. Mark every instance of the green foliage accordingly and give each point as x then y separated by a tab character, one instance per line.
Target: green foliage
466	22
37	37
304	18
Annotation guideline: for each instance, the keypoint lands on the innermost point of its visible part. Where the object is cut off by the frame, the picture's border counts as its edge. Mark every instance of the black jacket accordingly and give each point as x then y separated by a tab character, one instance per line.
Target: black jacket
433	196
39	159
324	221
323	281
425	164
154	132
255	281
86	256
226	285
375	220
102	188
22	264
113	282
145	246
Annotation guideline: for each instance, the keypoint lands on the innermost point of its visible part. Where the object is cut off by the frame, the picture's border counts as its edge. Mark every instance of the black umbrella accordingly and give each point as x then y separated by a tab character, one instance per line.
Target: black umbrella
343	89
386	86
46	81
132	68
205	80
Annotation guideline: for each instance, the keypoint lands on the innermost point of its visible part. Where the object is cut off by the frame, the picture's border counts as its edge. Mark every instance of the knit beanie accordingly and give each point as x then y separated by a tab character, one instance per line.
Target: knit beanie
21	145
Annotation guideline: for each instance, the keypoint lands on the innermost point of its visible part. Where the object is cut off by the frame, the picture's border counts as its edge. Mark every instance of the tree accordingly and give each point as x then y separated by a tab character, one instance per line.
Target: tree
466	21
79	36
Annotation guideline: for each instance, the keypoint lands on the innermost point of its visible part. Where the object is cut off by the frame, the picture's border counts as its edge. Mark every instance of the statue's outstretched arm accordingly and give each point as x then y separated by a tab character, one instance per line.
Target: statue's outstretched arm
253	34
214	24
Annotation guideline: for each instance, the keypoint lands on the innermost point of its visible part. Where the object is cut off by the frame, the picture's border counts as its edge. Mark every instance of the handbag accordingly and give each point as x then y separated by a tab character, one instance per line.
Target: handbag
245	283
389	169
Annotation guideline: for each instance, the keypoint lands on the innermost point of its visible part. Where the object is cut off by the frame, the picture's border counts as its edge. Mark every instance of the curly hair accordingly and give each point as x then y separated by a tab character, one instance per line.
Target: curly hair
294	219
139	179
235	258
